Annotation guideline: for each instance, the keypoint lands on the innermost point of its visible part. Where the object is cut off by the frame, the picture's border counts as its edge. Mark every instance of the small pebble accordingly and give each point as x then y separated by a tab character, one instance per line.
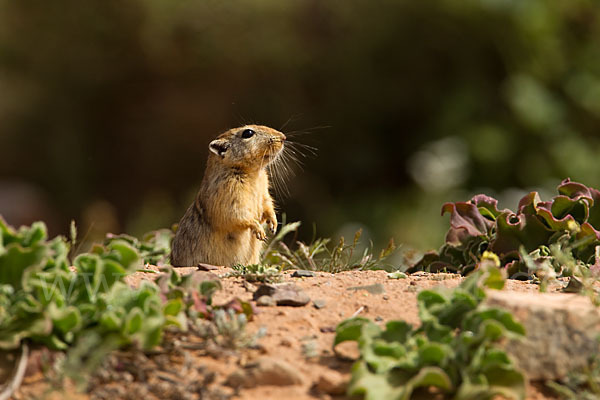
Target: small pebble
248	286
206	267
302	273
319	303
327	329
285	294
265	371
397	275
376	288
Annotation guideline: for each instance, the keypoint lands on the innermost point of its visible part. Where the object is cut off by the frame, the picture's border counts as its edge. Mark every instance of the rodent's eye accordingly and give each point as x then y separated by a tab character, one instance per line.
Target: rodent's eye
247	133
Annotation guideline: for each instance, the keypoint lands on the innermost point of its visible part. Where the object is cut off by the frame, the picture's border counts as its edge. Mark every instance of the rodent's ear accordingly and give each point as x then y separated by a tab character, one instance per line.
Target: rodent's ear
219	147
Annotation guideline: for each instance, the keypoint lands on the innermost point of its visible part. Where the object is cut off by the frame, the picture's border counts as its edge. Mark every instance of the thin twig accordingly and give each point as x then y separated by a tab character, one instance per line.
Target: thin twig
19	373
361	309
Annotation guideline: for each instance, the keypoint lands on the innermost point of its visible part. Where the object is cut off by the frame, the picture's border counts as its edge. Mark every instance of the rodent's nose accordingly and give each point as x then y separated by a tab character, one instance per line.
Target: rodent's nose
283	137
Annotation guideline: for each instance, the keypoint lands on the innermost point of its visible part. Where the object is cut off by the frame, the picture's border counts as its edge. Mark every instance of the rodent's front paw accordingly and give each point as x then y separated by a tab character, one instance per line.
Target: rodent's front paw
271	225
260	233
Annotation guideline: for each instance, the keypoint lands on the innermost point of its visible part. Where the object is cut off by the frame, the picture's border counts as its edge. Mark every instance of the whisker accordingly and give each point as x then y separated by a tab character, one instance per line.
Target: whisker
289	154
284	173
301	132
241	120
290	119
284	163
303	145
302	149
276	171
263	158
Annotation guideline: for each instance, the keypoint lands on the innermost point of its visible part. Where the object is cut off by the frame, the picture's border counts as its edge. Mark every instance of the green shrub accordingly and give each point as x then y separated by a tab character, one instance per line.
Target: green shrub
454	350
154	247
319	255
44	300
539	231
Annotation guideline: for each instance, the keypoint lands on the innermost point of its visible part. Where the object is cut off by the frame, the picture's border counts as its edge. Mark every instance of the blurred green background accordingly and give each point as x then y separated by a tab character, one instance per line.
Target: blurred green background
107	106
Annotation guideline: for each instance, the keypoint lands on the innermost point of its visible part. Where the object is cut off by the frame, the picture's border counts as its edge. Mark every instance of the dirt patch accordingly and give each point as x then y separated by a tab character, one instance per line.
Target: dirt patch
299	337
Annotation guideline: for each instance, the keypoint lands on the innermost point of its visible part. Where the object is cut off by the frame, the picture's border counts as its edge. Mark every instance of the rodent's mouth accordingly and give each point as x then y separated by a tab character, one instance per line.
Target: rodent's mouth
274	152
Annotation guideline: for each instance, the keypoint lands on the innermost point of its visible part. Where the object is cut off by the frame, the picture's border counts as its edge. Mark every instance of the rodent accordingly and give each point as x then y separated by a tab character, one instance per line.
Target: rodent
223	226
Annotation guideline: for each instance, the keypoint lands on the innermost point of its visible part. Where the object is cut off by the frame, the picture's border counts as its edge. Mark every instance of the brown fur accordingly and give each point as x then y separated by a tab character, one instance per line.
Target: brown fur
224	224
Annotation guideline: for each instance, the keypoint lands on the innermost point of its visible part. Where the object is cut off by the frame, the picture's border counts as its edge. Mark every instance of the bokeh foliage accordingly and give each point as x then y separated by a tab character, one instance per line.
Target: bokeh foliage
426	101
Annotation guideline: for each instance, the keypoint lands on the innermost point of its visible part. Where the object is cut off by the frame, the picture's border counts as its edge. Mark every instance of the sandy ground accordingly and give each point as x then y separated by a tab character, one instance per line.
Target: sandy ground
292	331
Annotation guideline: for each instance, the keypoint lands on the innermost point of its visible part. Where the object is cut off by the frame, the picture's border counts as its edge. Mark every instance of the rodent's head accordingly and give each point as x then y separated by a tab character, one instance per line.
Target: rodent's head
247	147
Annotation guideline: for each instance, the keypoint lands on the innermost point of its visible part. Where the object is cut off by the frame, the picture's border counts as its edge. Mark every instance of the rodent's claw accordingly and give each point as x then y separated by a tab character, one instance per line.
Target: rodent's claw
272	226
260	234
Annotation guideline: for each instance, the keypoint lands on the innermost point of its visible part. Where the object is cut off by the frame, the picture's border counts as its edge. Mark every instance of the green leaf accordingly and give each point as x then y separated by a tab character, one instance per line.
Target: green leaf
127	255
437	332
247	309
134	321
460	304
383	348
397	331
36	233
496	357
397	275
430	297
33	325
431	376
503	317
65	319
208	288
350	329
374	386
506	381
433	353
173	307
16	260
179	321
152	332
110	321
493	278
110	273
491	330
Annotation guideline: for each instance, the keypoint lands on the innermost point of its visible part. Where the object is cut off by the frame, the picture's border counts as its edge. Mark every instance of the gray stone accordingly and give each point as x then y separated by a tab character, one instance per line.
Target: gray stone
310	348
377	288
331	382
265	289
327	329
574	286
207	267
319	303
303	273
561	331
266	301
265	371
248	286
284	294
